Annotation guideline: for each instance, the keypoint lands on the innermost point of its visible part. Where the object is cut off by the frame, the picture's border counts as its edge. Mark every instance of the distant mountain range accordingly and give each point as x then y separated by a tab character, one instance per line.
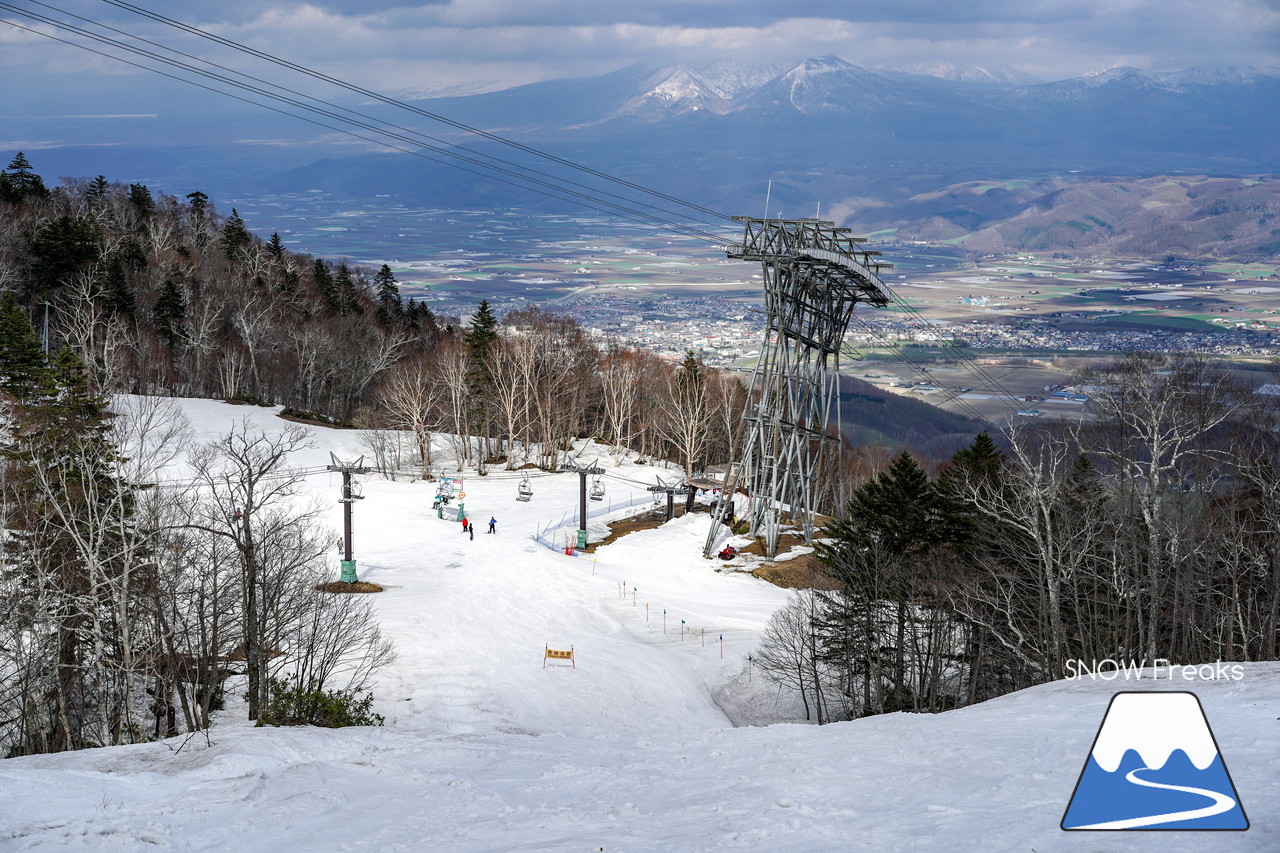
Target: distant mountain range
880	149
873	147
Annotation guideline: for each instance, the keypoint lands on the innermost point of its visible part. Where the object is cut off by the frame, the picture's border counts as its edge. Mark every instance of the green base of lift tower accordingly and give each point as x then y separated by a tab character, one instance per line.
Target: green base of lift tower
348	571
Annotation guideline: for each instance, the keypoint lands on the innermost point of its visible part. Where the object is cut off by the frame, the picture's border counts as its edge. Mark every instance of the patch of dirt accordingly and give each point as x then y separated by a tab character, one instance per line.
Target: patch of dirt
311	421
803	572
344	588
786	541
643	521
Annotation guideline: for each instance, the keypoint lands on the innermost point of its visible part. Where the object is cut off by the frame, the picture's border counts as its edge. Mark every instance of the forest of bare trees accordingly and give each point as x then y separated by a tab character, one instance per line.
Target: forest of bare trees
164	296
129	595
127	599
1145	531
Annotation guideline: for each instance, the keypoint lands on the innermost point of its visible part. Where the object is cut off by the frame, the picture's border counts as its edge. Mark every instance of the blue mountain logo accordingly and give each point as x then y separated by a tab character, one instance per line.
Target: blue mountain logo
1155	765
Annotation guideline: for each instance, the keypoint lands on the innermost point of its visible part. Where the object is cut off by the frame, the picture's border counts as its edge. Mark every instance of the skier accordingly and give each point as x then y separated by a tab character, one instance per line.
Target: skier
464	524
472	531
493	524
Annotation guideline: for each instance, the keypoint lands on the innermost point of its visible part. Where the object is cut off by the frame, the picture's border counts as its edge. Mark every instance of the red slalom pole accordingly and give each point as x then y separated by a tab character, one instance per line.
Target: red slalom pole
704	638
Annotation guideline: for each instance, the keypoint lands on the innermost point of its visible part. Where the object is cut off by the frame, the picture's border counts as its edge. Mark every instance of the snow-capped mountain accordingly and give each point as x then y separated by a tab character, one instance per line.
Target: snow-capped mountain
675	91
827	84
733	78
947	70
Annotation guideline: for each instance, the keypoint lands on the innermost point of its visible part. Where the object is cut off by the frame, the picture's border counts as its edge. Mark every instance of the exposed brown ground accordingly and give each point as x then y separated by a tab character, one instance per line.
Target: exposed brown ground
643	521
803	572
340	587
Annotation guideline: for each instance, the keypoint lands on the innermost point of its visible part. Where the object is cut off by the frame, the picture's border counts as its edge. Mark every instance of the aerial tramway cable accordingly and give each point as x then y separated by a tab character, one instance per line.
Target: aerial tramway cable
193	30
600	205
556	187
449	150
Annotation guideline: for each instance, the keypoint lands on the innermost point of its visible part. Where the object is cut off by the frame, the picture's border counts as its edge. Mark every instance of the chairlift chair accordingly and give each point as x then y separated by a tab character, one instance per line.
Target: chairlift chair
597	490
525	491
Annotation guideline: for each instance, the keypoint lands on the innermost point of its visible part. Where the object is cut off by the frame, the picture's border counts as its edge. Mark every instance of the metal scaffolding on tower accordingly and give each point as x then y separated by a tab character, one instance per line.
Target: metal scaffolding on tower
814	275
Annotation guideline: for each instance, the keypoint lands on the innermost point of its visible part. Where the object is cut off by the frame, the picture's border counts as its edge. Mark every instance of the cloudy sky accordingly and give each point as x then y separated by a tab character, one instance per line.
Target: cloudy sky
398	46
58	96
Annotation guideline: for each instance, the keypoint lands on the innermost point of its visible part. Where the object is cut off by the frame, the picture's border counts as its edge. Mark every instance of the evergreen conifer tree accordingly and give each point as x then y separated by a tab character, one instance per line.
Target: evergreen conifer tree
117	293
347	294
61	246
140	198
275	247
234	235
22	360
480	338
387	292
18	182
324	283
169	312
97	189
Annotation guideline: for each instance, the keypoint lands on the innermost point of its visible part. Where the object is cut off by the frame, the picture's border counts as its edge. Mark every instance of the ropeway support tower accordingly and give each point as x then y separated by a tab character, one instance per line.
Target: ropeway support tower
814	275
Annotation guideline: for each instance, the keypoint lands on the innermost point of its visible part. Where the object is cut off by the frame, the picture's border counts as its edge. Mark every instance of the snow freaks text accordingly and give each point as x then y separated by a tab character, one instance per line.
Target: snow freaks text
1110	669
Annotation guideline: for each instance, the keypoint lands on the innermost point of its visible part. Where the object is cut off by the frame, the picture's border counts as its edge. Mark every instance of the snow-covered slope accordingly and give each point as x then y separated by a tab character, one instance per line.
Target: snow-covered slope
634	750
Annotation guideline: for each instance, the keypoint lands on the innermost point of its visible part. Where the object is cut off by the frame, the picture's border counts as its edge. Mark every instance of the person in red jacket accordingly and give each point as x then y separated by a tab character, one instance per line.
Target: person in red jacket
464	524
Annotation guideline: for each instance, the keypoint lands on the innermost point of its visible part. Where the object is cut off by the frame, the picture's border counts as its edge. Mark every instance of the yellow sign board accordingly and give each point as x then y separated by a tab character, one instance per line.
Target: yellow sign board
556	654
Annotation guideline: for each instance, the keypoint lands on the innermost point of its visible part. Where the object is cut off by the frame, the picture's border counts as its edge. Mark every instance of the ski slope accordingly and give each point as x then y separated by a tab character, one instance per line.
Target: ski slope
654	742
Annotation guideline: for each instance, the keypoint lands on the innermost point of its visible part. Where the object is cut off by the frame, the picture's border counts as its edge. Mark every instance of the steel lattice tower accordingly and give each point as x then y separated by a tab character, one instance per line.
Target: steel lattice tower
814	274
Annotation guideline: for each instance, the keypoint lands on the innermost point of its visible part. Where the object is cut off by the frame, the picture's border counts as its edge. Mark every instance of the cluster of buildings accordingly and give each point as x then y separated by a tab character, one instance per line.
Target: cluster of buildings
1039	334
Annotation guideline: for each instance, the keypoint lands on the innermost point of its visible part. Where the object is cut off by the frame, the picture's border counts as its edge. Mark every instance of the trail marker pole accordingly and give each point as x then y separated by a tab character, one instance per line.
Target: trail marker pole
646	611
750	668
633	596
704	638
664	621
682	630
722	647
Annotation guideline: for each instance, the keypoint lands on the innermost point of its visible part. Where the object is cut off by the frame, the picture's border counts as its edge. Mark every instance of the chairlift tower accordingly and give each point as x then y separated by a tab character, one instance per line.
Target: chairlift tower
347	499
814	275
582	471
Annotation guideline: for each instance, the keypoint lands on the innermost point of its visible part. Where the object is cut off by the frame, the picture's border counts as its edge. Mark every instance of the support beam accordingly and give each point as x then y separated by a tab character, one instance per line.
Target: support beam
814	275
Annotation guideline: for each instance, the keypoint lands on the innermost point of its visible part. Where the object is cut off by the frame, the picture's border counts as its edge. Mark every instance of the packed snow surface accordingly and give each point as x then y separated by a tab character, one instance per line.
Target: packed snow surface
654	742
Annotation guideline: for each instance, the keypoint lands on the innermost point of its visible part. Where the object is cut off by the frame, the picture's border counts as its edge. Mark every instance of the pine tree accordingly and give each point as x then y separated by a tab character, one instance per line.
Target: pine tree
140	198
480	338
387	292
18	182
97	189
275	247
324	283
169	312
234	235
117	293
22	361
347	294
980	464
61	247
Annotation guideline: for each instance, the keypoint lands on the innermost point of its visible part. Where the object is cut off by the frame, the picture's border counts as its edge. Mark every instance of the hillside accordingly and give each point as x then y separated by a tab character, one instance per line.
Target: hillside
1185	216
641	747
